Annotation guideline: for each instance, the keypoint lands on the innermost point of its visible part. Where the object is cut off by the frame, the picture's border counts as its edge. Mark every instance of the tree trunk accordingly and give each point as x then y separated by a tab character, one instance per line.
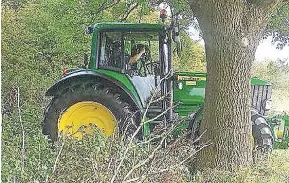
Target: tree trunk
231	31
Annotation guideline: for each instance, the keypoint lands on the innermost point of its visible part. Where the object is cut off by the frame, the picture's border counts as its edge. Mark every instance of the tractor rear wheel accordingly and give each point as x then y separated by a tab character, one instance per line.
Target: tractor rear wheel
84	106
261	131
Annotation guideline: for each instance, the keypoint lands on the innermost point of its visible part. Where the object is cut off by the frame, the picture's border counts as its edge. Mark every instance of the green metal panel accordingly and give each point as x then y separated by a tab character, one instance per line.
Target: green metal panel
286	118
185	110
122	78
189	91
281	127
192	89
92	63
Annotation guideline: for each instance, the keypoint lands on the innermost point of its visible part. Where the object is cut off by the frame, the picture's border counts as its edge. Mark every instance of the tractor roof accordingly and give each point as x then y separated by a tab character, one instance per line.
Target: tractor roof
119	25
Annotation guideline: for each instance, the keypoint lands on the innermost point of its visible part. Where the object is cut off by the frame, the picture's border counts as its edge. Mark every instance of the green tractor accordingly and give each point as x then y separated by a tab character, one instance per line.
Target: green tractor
129	75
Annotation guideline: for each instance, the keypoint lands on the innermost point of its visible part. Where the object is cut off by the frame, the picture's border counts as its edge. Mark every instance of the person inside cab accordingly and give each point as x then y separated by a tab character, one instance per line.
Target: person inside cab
139	53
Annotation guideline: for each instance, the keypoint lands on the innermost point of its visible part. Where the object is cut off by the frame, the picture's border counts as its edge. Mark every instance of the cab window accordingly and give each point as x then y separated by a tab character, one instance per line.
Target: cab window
135	52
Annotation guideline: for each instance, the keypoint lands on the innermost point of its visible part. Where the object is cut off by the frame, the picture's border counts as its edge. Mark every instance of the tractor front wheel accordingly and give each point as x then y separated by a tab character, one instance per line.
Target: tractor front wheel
85	106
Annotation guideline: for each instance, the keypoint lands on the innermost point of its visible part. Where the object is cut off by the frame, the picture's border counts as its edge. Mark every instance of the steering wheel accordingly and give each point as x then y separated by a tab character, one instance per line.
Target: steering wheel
151	66
139	57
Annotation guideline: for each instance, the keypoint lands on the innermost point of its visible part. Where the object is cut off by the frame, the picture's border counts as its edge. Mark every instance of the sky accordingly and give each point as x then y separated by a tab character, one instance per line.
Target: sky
265	51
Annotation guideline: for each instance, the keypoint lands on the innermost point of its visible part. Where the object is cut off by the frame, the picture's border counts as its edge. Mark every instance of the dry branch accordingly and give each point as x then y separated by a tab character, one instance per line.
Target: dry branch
56	161
22	129
104	6
165	169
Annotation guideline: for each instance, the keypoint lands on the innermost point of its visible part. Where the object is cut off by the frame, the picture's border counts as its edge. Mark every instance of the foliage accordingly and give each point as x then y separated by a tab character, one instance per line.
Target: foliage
192	58
278	26
93	159
99	159
278	74
39	39
284	144
273	171
275	71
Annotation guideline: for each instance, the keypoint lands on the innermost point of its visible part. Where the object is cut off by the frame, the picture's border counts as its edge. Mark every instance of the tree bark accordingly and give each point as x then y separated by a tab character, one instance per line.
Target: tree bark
231	30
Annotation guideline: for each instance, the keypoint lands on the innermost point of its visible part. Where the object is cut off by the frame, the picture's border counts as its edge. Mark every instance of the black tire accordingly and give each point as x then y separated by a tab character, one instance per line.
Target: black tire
90	91
194	124
261	131
263	138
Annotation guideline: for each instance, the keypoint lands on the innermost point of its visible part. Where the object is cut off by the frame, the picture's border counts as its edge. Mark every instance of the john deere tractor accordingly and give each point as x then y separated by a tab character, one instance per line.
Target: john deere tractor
129	74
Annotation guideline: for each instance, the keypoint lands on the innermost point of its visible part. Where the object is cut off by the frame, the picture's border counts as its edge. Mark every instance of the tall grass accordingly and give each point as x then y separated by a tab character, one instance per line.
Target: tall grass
28	157
275	170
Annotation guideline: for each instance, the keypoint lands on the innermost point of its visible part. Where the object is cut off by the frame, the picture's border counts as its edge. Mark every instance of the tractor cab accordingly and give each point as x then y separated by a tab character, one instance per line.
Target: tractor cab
135	53
140	51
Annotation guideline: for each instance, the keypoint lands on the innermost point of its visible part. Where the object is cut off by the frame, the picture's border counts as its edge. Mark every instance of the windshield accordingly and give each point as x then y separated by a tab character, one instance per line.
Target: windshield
136	52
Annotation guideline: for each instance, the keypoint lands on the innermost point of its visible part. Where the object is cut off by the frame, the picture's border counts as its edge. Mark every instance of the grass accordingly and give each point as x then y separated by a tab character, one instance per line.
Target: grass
277	96
100	159
275	170
30	158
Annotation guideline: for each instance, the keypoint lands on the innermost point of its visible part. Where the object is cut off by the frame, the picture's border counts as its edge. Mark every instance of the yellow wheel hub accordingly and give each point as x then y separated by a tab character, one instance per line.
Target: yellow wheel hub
82	117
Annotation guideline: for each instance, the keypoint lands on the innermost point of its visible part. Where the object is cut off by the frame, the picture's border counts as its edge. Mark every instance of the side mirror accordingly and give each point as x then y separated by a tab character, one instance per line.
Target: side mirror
177	40
179	49
85	60
176	35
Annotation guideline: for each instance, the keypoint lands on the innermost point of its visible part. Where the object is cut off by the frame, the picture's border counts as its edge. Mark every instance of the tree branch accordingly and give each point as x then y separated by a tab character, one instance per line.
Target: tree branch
125	16
195	7
105	7
56	161
22	128
266	3
257	14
